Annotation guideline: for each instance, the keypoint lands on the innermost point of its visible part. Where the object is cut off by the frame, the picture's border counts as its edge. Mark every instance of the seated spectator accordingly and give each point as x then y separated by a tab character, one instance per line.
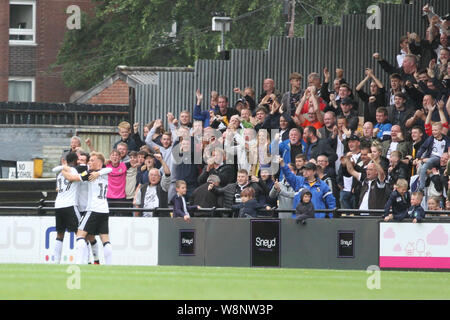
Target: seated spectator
432	106
397	142
246	118
125	136
417	139
375	99
204	197
430	152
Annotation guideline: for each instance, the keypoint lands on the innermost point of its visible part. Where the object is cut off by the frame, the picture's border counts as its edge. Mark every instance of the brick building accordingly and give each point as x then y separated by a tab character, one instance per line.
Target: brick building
31	32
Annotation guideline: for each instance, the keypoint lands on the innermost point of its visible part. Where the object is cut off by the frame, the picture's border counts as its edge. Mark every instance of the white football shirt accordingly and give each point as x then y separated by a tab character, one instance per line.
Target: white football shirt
67	191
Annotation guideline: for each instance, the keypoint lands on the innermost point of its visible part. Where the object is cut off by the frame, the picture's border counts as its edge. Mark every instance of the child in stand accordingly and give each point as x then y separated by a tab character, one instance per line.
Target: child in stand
249	206
180	208
400	200
416	212
305	208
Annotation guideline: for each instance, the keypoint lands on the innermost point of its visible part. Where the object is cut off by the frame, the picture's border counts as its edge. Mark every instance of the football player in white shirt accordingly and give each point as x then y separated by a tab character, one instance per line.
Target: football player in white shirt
67	215
96	219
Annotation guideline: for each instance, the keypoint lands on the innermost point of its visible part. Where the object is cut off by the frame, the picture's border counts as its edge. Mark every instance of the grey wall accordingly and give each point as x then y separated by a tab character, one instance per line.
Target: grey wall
226	242
349	46
23	143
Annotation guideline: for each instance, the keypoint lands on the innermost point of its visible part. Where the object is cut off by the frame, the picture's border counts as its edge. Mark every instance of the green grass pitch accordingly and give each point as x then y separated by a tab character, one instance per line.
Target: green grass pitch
39	281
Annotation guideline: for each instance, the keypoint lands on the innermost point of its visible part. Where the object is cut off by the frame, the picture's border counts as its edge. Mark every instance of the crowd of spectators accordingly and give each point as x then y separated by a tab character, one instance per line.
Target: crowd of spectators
270	151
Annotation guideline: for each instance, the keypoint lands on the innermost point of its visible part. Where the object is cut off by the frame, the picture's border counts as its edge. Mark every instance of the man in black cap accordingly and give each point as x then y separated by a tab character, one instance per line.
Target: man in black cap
349	113
346	181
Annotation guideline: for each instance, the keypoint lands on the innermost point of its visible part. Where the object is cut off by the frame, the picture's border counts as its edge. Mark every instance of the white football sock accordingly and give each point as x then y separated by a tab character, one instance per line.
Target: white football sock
57	250
80	254
94	247
107	252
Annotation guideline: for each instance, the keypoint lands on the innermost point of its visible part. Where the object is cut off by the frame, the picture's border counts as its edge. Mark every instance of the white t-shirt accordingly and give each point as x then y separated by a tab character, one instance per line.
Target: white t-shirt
67	191
438	147
392	147
151	200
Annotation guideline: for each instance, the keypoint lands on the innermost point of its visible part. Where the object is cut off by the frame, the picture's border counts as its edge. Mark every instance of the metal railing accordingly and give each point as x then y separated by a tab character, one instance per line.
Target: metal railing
34	113
46	208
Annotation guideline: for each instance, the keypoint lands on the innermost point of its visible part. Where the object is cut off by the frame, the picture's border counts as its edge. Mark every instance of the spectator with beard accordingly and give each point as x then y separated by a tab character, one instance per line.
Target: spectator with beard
329	121
316	146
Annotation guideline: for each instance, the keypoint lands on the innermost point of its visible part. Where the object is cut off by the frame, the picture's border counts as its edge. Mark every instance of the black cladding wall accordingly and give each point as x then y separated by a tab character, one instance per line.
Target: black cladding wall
321	243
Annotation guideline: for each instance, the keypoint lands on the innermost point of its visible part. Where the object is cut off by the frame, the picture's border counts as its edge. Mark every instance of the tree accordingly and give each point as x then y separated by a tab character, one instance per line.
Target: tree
136	32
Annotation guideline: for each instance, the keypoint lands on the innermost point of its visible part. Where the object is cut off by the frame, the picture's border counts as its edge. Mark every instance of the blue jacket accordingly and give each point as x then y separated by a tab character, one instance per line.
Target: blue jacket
178	210
427	147
322	197
385	130
400	205
202	115
285	152
416	212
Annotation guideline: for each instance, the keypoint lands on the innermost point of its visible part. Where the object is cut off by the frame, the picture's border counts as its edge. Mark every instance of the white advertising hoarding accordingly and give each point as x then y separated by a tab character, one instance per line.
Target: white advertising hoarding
419	245
31	240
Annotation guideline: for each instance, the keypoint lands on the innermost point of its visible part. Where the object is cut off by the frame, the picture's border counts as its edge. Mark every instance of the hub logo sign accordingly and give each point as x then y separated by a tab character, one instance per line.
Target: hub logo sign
187	242
265	243
346	244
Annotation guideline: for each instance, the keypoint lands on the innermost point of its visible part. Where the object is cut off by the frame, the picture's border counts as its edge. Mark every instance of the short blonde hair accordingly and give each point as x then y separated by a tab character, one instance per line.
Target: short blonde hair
401	183
124	125
179	183
99	155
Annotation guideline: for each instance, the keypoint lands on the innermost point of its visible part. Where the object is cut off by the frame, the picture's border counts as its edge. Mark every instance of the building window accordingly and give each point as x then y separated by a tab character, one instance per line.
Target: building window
21	89
22	22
